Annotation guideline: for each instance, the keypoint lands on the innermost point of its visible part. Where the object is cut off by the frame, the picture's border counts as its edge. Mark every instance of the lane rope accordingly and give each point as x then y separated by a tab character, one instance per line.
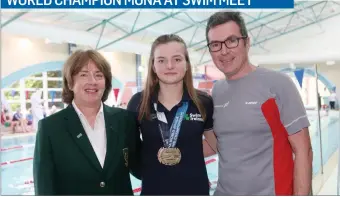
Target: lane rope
16	161
16	147
138	189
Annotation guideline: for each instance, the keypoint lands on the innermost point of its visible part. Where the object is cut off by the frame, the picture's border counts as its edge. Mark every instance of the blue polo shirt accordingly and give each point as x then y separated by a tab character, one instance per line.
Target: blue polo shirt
189	177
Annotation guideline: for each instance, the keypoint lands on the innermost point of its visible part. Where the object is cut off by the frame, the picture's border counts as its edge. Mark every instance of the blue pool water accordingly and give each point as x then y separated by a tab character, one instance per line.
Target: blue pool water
14	175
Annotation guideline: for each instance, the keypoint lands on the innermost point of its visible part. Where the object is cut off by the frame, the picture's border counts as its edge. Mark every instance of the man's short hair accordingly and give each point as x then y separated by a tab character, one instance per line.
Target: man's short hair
220	18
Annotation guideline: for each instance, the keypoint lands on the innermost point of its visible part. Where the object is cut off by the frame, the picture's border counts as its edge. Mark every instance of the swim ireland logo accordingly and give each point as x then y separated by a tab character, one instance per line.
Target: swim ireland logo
193	117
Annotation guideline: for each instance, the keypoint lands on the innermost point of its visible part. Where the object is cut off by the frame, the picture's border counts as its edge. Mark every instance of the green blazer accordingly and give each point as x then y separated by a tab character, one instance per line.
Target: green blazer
66	164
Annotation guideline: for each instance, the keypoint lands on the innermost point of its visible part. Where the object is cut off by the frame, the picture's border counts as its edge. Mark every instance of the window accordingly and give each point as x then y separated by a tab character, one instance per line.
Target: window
29	92
59	105
37	75
12	94
28	105
19	93
33	83
54	84
15	85
14	106
56	73
57	94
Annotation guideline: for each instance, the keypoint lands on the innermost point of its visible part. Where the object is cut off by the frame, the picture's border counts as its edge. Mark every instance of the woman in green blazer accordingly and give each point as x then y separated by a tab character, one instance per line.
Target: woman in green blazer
88	148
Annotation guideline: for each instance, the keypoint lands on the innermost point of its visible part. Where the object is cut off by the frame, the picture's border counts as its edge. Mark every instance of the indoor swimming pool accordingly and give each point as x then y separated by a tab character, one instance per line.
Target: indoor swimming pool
17	155
17	166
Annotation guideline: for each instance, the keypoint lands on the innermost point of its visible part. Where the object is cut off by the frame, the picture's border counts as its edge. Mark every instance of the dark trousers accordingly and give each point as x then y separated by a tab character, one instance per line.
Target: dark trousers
332	104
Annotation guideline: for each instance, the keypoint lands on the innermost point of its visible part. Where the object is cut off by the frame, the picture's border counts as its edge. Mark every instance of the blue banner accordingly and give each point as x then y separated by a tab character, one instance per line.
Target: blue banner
52	95
13	93
299	75
199	76
147	4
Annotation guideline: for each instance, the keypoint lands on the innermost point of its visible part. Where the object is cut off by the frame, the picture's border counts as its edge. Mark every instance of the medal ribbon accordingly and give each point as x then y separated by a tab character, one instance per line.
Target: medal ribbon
170	136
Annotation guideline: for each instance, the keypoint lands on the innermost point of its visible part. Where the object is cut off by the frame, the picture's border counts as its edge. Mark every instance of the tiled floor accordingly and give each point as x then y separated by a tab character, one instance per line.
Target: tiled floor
330	186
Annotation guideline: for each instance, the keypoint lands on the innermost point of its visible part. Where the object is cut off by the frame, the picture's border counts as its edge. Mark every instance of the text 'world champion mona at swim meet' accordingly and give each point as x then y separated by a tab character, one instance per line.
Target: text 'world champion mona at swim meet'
126	3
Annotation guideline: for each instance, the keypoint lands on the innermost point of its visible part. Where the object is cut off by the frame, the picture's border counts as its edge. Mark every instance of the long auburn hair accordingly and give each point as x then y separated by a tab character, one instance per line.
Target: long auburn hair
152	81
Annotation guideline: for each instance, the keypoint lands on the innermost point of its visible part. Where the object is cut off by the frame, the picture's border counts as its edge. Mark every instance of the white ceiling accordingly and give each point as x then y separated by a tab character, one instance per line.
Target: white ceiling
134	30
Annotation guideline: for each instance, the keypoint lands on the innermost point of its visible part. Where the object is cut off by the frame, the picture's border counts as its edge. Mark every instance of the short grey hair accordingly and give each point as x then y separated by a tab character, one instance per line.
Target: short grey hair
220	18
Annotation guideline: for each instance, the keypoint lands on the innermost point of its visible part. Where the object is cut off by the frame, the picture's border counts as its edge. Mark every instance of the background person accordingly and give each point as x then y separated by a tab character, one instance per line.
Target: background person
37	108
332	100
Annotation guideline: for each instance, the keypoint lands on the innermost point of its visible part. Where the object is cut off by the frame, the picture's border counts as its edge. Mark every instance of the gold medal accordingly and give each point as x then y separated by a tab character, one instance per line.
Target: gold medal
169	156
